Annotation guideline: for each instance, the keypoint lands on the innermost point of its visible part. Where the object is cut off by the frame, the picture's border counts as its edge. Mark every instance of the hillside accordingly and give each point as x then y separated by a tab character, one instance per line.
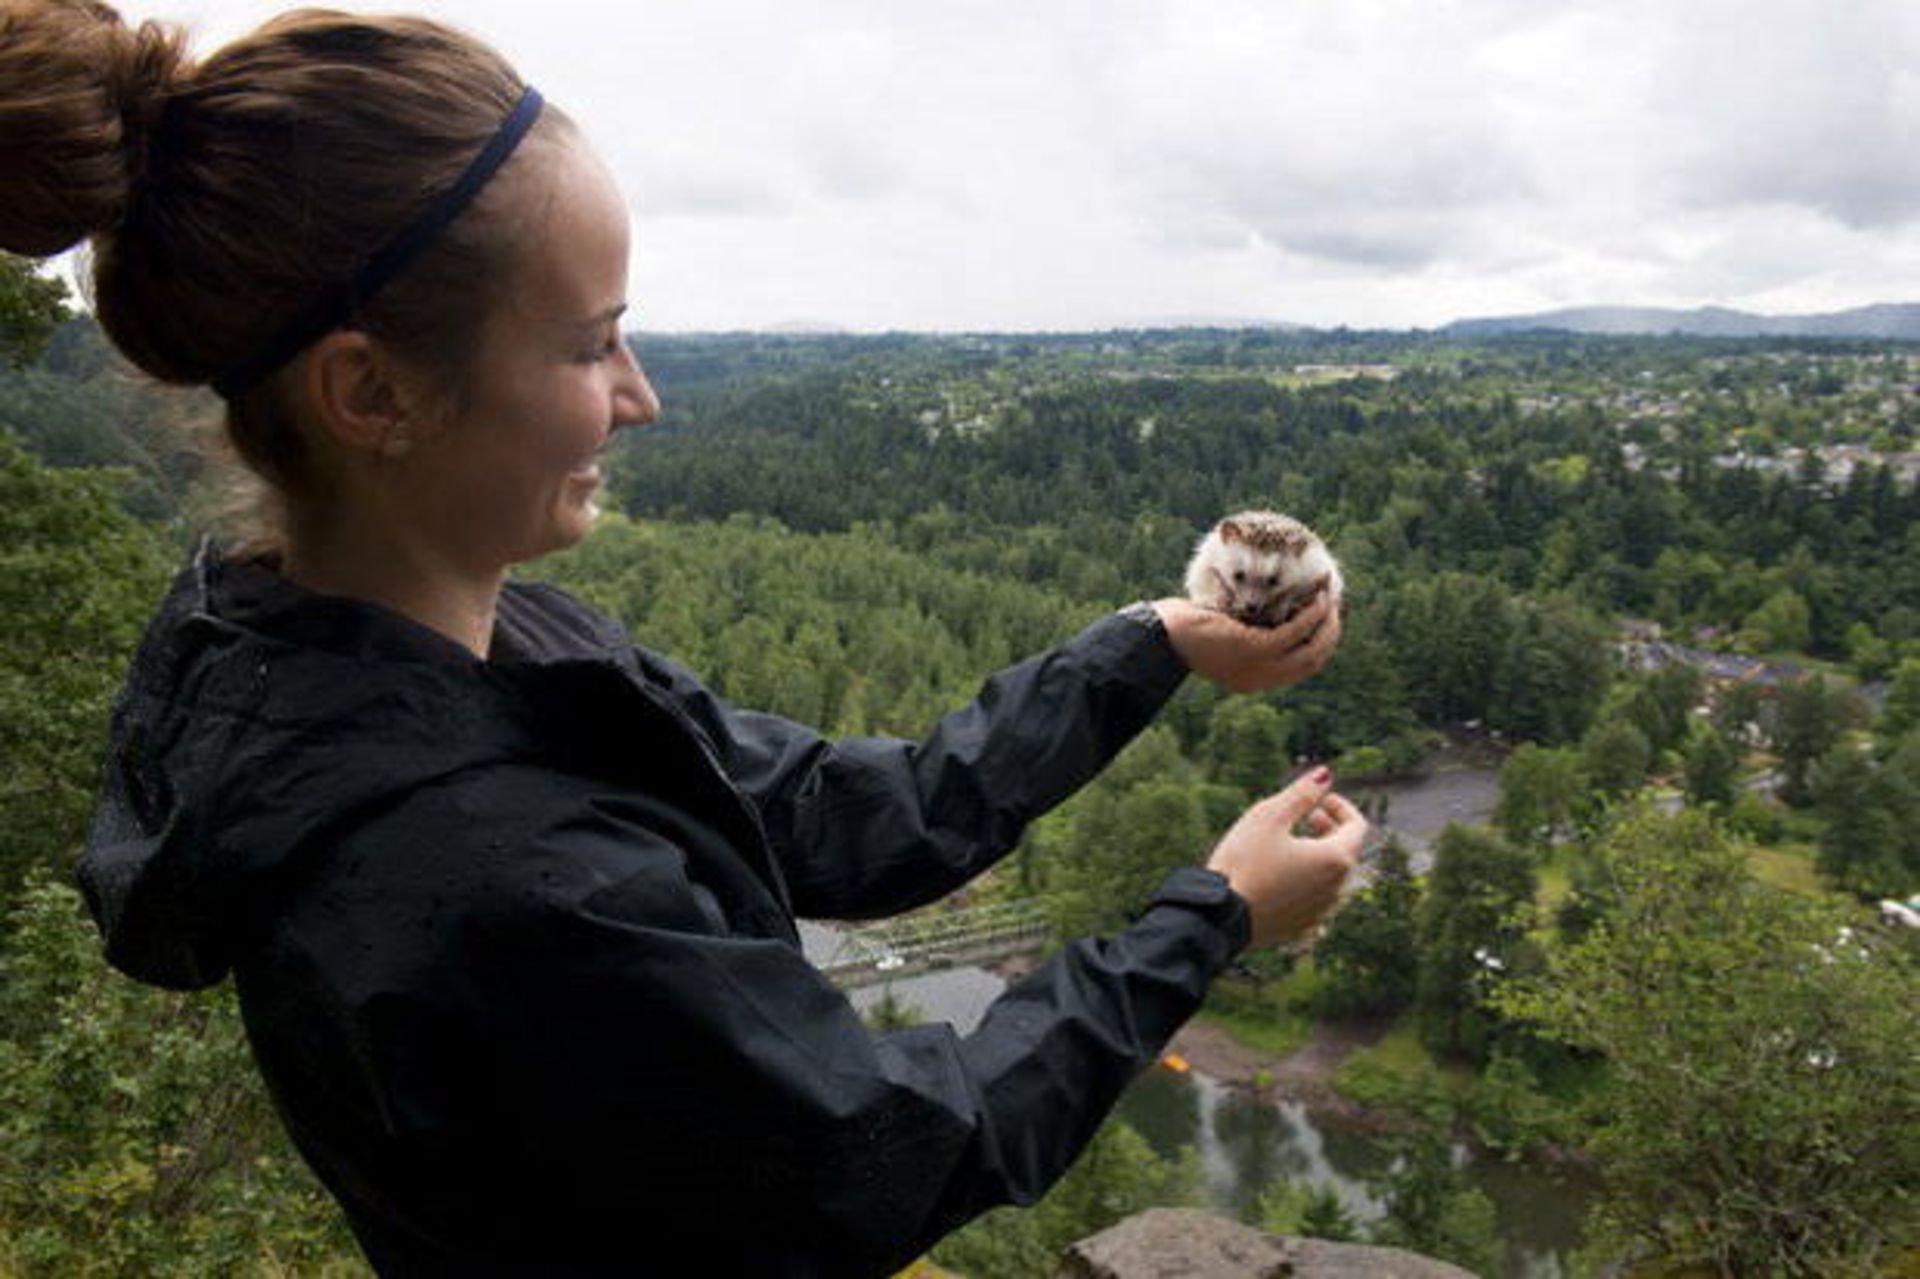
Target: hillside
855	532
1885	320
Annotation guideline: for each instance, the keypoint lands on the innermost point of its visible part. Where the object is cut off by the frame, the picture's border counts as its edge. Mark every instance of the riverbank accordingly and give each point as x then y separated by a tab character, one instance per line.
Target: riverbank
1257	1119
1304	1075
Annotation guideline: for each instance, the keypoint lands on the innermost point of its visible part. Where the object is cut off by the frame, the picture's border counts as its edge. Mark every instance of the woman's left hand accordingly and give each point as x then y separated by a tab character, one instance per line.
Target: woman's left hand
1246	659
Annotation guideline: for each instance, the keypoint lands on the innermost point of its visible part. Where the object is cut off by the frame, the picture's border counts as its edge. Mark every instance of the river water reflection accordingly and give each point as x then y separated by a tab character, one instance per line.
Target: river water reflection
1247	1144
1419	808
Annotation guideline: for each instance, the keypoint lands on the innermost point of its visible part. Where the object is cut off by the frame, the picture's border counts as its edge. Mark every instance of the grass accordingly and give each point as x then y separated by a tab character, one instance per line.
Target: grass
1270	1017
1788	866
1276	1034
1399	1074
1555	886
1801	825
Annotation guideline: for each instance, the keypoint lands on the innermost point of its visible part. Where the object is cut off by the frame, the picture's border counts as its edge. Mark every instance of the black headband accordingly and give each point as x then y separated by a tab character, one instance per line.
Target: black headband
339	303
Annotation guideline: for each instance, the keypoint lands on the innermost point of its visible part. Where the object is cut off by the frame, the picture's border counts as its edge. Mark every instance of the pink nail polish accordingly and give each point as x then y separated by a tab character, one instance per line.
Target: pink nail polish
1322	776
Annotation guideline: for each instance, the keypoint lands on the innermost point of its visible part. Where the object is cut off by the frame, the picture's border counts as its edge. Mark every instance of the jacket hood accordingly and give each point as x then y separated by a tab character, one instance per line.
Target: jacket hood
226	767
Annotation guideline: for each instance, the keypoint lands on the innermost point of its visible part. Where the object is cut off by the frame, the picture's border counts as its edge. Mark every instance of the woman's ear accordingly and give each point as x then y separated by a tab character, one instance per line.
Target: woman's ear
350	384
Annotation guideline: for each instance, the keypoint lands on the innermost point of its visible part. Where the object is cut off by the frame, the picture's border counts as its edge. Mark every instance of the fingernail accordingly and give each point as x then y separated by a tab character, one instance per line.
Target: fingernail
1322	776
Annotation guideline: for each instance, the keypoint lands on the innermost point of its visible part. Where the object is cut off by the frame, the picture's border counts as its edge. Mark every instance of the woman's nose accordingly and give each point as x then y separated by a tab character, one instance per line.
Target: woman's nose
635	403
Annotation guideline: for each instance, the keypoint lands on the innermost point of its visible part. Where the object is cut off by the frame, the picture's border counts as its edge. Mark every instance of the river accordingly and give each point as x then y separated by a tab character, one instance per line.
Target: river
1462	784
1246	1144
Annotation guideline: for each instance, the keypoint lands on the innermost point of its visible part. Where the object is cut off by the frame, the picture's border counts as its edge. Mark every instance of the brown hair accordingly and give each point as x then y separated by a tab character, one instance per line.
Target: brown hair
222	199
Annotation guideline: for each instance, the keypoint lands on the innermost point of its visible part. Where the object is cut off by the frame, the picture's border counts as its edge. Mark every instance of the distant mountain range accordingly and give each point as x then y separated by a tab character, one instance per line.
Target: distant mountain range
1231	322
1884	320
805	329
1898	321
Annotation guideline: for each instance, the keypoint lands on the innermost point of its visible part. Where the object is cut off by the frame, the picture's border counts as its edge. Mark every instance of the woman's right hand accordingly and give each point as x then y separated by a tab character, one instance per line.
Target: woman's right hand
1291	881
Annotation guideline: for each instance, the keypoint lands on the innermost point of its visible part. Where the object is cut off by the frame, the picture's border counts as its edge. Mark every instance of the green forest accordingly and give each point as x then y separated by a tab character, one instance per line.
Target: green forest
1668	587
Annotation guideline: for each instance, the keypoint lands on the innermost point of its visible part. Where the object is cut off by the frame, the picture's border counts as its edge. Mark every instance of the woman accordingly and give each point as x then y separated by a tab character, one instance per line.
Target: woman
509	901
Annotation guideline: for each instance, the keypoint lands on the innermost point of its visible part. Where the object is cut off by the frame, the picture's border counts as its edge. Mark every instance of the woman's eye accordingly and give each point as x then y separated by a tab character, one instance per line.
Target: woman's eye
1273	580
1238	576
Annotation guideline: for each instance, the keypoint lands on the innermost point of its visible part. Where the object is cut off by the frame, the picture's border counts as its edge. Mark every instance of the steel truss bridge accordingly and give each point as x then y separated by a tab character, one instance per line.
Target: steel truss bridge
923	943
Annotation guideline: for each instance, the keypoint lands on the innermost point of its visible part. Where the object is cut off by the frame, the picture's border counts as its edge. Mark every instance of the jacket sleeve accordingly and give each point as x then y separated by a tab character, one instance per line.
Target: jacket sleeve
870	826
698	1081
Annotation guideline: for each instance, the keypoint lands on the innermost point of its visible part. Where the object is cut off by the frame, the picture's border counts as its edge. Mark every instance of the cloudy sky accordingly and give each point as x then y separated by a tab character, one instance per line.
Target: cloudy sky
1073	164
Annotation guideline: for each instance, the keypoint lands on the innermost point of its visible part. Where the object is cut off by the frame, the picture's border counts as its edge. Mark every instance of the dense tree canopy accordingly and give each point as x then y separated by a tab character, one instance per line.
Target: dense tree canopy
1764	1116
855	532
1474	918
77	578
1370	956
1525	463
31	304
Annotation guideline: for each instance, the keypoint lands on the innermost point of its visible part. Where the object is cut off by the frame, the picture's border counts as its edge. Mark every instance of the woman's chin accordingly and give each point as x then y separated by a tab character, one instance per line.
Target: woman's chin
575	520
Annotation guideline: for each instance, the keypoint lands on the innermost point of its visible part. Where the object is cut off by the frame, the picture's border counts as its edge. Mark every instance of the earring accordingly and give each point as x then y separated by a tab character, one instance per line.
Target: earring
396	444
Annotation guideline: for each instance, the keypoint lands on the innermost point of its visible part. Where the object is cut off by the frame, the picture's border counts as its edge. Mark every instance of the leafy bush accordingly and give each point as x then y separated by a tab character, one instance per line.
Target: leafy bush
1116	1176
135	1135
1764	1112
1509	1113
1397	1074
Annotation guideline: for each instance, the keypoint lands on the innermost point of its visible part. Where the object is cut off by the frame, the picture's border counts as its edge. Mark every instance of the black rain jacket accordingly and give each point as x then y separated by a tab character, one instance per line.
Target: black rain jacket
514	939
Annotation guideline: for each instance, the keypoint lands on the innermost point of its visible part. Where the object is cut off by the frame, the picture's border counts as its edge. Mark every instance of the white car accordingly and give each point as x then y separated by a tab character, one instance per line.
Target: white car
1906	912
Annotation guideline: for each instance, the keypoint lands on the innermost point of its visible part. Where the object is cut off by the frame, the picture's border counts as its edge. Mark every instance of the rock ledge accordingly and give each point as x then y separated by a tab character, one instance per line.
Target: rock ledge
1185	1243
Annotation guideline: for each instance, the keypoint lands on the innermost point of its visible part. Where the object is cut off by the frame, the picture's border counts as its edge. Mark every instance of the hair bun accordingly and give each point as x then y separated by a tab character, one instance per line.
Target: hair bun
80	96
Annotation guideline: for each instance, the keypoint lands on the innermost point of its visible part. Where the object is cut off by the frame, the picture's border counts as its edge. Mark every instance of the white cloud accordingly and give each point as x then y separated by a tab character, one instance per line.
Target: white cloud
1073	163
1809	104
1342	139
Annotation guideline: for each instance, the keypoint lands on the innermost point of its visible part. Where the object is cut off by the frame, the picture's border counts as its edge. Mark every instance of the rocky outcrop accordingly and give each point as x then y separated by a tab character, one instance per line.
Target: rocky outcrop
1185	1243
